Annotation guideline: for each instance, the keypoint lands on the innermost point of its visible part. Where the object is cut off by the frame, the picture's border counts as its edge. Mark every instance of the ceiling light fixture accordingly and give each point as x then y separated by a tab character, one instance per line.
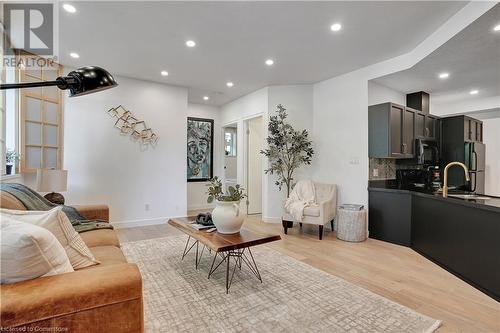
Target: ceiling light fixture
164	73
190	43
74	55
206	98
229	84
336	27
269	62
444	75
496	28
474	92
69	8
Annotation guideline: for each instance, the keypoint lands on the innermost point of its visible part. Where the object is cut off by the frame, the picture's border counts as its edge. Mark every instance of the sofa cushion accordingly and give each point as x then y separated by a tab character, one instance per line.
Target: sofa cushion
8	201
100	237
108	255
58	223
311	211
29	251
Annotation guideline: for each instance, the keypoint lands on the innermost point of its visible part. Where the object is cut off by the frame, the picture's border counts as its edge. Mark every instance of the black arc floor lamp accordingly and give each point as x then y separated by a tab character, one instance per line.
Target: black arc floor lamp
83	81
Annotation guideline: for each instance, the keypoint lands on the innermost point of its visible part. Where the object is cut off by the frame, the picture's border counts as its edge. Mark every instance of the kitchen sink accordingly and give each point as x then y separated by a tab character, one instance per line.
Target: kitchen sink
469	196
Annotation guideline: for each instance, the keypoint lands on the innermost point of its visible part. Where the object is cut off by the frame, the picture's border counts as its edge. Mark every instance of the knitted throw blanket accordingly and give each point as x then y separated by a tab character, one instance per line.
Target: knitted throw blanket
34	201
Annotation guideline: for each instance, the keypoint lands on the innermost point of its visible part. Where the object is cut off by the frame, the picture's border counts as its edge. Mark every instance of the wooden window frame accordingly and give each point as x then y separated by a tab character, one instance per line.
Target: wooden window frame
24	94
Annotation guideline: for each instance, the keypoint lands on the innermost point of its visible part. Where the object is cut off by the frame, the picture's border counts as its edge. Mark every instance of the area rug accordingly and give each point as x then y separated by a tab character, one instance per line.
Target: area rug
293	297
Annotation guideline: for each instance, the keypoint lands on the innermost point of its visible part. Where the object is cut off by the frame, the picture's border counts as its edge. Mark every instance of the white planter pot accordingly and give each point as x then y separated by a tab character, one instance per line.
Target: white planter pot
227	217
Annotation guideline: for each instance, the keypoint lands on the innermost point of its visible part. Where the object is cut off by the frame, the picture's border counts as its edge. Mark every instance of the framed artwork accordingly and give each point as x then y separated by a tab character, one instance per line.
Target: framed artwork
200	149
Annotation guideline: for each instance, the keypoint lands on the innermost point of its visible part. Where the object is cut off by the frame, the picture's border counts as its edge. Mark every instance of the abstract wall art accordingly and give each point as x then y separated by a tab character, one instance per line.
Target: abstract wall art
200	142
128	124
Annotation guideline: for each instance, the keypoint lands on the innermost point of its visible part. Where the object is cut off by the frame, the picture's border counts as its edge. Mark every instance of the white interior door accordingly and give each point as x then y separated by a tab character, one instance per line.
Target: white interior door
254	165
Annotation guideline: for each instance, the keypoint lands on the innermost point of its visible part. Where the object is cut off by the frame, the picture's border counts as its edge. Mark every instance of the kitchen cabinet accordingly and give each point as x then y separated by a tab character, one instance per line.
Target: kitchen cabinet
471	128
391	131
426	126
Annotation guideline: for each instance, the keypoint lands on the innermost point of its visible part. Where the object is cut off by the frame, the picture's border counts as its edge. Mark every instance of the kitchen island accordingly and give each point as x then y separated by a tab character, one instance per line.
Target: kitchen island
462	236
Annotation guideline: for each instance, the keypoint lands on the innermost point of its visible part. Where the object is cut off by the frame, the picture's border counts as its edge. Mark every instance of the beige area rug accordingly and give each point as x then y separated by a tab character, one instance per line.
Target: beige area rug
294	297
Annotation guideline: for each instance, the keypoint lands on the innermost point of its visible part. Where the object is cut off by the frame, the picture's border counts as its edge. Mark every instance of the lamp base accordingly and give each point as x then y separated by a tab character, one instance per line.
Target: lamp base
54	197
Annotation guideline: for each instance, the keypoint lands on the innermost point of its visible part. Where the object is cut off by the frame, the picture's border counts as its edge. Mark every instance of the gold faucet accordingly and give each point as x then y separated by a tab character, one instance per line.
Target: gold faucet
445	181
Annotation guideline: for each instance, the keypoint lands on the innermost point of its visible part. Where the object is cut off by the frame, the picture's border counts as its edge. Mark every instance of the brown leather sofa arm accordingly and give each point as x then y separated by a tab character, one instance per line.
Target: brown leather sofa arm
93	292
94	212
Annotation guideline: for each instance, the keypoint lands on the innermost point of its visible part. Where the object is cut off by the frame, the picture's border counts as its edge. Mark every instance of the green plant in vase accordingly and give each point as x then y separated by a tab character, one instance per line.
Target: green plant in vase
226	215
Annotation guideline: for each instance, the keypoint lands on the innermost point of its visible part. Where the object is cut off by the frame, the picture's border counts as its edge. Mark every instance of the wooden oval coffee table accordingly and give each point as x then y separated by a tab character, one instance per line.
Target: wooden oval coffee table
224	246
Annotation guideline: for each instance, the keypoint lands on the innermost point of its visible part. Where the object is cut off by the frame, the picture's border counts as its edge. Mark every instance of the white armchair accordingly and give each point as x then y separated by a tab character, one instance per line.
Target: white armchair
321	214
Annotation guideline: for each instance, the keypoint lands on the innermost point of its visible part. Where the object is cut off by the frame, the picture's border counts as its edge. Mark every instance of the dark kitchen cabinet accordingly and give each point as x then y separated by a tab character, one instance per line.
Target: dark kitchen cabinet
471	128
391	131
426	126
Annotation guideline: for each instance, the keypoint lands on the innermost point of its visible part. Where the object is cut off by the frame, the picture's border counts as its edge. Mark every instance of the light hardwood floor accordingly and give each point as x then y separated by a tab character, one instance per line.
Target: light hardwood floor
395	272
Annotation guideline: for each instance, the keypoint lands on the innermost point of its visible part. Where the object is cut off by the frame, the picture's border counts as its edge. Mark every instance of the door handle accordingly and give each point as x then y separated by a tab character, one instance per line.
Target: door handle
427	131
474	168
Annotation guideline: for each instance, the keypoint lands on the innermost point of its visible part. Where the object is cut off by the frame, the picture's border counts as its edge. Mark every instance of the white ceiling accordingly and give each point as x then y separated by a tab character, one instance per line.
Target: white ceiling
139	39
472	58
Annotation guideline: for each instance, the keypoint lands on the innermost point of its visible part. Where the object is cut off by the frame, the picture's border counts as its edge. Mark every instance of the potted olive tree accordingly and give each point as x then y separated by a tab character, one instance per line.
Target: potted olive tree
287	150
226	215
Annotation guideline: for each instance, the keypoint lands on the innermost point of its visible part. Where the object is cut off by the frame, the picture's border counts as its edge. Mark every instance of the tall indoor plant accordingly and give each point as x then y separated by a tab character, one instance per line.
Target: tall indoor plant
287	150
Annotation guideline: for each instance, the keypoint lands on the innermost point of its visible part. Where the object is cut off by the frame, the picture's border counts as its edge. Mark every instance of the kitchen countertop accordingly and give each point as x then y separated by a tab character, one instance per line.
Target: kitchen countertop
391	185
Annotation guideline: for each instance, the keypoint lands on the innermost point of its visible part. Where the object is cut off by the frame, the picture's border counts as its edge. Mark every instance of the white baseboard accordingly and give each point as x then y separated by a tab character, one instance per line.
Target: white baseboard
140	223
269	219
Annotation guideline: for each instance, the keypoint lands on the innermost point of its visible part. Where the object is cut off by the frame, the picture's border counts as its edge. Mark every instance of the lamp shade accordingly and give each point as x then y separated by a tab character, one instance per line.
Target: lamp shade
51	180
88	80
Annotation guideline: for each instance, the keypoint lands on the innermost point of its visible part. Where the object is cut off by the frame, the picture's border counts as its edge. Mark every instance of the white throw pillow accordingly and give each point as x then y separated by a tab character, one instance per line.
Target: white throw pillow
28	251
58	223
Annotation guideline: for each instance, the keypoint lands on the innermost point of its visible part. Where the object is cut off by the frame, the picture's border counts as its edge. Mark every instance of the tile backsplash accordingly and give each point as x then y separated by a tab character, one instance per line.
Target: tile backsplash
385	168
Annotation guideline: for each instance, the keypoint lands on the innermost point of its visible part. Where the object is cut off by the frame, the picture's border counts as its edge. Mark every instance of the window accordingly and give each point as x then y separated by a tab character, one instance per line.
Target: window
40	121
33	118
230	141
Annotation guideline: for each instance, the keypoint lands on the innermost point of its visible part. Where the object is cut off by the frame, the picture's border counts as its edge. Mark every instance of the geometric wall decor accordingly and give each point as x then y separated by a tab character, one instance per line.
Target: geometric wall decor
127	123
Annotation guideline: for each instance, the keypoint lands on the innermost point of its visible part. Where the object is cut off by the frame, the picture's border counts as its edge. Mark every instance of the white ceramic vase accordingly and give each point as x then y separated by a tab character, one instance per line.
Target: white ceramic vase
228	217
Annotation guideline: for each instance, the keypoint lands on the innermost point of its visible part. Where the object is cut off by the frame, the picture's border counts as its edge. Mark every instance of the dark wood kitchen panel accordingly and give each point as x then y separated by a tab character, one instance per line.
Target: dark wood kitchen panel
390	216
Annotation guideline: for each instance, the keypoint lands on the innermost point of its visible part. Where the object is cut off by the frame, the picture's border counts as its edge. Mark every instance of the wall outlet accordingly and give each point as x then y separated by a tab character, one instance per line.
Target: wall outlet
375	172
146	207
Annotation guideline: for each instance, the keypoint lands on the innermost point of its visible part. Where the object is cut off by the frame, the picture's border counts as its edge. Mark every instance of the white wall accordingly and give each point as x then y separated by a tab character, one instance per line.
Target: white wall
378	93
491	138
196	191
106	167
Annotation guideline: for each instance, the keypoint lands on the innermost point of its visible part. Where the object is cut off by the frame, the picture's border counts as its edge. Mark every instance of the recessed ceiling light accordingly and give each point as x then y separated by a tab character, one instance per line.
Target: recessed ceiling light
336	27
69	8
496	28
269	62
229	84
74	55
474	92
206	98
444	75
164	73
190	43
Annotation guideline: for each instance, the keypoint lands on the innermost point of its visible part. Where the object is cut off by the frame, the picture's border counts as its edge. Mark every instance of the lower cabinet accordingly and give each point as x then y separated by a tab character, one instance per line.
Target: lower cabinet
390	216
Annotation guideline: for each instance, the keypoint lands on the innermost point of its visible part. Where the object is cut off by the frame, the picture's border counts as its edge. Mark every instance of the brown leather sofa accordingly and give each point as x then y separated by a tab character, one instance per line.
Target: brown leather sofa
101	298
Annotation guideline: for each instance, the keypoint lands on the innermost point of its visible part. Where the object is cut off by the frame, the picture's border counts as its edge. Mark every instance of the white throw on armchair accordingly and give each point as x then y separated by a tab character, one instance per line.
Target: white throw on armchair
320	214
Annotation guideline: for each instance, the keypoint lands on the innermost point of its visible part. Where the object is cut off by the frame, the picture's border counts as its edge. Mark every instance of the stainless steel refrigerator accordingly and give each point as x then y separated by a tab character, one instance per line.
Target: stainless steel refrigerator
475	153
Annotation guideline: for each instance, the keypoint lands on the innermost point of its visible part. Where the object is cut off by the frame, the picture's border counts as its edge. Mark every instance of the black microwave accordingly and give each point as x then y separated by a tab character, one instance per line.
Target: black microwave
427	152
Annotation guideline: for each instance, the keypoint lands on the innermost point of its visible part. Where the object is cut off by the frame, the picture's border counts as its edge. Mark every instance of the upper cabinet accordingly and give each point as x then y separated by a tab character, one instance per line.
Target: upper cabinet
471	128
391	131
